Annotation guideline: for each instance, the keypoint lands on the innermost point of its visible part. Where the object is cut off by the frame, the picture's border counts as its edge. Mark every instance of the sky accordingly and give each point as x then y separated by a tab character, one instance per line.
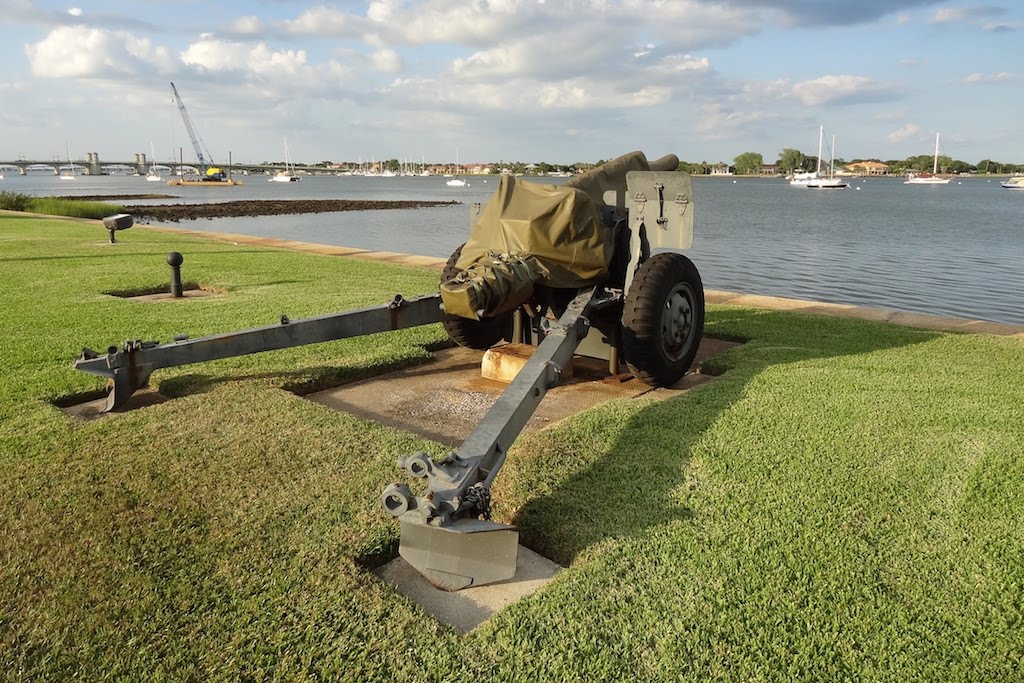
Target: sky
511	80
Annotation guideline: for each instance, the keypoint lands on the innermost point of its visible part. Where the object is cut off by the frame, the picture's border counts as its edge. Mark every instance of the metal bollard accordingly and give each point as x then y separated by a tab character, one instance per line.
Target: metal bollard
174	260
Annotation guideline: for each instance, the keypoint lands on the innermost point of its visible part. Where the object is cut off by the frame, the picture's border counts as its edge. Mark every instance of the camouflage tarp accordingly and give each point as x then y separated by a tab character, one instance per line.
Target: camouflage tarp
549	234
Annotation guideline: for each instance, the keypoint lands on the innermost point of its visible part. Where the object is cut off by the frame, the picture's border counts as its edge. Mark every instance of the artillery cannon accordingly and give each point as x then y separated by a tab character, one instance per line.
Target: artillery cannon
590	267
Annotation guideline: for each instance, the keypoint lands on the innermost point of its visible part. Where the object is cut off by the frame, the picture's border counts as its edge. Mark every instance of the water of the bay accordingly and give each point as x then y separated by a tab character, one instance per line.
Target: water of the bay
954	249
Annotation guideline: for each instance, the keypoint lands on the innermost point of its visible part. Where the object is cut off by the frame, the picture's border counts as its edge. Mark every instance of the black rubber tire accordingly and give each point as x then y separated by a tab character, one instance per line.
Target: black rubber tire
472	334
663	319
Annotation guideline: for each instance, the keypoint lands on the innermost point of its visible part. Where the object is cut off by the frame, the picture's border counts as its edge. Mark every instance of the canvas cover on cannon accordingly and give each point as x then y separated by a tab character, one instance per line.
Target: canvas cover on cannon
533	233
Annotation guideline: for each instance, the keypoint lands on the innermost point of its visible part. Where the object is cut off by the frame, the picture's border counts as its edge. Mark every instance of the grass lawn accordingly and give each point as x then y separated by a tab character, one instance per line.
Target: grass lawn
843	503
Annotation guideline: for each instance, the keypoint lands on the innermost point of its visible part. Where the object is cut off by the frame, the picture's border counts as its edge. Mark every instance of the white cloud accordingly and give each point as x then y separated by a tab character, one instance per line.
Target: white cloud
249	25
220	55
891	115
582	53
75	11
720	122
826	90
843	88
948	15
324	21
973	16
681	63
387	61
904	133
527	95
999	26
1001	77
475	23
381	11
84	52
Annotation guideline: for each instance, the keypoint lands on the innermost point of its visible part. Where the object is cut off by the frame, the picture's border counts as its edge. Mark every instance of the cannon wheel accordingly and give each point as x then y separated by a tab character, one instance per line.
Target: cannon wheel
663	319
472	334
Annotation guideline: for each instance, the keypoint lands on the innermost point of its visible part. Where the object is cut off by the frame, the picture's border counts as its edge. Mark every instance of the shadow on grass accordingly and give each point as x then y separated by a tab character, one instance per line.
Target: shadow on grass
633	484
134	254
306	380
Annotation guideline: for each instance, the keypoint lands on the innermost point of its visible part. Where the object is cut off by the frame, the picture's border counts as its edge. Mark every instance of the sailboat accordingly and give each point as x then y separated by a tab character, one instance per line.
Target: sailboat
68	174
287	175
456	182
152	176
929	178
830	183
813	180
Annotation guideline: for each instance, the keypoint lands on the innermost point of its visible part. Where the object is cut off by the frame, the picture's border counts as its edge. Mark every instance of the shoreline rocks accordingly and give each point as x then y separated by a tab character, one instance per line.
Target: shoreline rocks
272	207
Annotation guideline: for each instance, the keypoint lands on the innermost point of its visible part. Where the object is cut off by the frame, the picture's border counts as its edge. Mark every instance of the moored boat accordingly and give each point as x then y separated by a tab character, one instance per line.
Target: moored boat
932	178
813	180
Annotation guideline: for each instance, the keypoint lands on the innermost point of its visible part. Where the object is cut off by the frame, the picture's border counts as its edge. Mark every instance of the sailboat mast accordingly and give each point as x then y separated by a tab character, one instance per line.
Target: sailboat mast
832	157
821	139
935	164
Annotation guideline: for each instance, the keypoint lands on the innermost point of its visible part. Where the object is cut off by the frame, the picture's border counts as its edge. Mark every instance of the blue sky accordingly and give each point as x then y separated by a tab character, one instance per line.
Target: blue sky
528	80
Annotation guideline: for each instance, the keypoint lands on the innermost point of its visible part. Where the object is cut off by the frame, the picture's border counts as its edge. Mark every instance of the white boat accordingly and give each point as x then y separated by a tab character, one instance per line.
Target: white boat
68	174
456	182
152	176
932	178
802	178
1014	183
814	180
287	175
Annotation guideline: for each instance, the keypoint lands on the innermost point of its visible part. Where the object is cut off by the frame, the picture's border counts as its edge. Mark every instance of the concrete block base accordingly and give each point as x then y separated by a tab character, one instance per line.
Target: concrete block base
466	609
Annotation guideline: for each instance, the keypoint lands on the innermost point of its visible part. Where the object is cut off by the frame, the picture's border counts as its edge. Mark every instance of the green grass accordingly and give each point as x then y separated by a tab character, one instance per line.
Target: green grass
56	206
844	503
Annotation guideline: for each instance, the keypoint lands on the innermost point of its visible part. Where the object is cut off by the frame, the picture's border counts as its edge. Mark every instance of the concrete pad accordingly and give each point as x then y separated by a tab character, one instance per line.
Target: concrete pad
985	327
848	311
445	400
166	296
777	303
92	410
466	609
716	296
926	321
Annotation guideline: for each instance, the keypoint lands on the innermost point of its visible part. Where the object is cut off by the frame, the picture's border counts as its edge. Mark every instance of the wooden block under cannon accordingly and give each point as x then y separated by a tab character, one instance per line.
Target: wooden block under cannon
503	363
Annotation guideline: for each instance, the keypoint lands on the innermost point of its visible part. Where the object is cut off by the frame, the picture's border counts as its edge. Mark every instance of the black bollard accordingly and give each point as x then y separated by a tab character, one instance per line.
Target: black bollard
174	259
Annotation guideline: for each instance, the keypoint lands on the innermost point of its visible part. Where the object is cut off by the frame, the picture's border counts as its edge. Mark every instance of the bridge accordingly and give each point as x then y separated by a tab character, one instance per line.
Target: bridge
140	165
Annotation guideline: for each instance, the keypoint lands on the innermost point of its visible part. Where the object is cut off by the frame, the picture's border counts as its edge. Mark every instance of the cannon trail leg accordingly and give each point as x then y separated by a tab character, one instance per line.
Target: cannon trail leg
443	536
130	367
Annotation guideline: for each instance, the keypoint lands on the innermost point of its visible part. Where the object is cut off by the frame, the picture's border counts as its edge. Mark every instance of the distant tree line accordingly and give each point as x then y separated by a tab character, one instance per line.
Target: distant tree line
747	163
791	160
518	167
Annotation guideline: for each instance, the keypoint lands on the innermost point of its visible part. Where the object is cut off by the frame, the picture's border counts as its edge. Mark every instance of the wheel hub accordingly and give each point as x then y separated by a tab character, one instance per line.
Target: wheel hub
677	321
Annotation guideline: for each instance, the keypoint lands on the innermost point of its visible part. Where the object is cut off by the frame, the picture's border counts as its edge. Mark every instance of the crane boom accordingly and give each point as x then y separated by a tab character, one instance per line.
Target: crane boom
197	143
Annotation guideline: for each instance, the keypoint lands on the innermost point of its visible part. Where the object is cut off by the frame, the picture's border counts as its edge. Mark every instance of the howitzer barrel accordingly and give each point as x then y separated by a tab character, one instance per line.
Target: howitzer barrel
669	162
